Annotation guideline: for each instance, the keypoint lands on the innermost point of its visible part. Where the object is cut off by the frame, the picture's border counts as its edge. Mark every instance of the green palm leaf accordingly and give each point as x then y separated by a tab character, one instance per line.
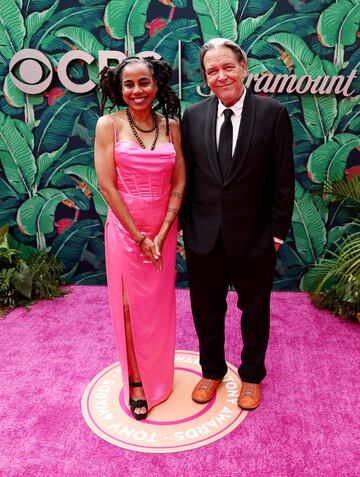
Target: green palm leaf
13	95
345	107
267	65
12	29
234	4
16	156
87	174
344	264
338	25
36	215
36	20
329	68
276	67
190	60
57	122
253	8
289	266
304	60
45	160
249	25
256	66
78	197
289	256
75	157
8	211
68	247
89	15
25	250
66	277
97	247
328	161
352	124
82	39
26	132
316	274
309	6
308	227
301	132
319	111
319	114
322	207
93	2
189	94
84	134
124	19
217	19
6	190
349	257
51	45
291	103
337	233
301	23
31	6
347	190
90	118
340	214
165	42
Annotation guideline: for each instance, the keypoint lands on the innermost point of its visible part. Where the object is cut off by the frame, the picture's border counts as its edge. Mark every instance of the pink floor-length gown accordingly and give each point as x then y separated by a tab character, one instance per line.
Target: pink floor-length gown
144	183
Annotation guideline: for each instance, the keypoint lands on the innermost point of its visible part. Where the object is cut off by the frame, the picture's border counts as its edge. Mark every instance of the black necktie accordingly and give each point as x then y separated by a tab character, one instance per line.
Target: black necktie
225	143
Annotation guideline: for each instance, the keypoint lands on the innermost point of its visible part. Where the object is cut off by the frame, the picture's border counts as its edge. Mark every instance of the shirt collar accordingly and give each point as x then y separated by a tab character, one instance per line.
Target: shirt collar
237	107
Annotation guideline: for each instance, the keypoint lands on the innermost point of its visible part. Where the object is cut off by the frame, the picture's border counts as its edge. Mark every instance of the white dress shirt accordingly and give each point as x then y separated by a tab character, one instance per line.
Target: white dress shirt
237	109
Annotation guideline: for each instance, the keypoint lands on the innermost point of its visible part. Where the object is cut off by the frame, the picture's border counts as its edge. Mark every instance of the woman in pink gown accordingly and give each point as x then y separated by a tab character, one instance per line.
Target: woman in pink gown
141	174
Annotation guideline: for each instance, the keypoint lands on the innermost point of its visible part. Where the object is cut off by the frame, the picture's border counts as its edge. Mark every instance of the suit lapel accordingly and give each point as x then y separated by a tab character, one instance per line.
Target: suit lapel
244	137
210	139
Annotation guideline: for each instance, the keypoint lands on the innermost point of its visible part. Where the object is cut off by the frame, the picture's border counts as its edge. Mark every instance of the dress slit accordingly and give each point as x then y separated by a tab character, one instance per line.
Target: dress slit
124	290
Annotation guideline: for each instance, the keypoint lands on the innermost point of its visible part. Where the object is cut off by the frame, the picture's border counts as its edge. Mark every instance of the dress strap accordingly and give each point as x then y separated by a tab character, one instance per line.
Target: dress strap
115	131
170	136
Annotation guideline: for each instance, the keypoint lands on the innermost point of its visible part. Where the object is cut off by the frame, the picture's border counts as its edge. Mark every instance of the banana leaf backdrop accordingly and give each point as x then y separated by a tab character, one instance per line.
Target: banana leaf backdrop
48	188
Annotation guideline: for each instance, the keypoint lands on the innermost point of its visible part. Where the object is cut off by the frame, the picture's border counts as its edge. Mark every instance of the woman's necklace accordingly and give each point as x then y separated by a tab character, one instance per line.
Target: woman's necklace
134	126
131	119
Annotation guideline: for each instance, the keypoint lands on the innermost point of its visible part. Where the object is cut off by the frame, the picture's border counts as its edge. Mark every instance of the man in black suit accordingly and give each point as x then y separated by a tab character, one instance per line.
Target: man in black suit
237	211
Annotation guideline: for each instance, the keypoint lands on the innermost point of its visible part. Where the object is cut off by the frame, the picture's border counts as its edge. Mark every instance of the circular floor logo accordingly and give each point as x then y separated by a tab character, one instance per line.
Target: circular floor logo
175	425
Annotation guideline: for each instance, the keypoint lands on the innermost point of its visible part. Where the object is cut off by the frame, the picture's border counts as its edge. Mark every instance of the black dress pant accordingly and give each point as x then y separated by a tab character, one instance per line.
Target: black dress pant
209	280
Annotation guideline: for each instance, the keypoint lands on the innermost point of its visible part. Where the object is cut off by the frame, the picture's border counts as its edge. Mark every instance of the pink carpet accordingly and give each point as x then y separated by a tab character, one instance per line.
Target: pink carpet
306	425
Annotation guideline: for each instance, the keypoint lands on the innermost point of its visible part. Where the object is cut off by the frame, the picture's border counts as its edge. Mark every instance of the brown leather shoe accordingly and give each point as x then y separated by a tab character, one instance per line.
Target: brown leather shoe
249	396
205	390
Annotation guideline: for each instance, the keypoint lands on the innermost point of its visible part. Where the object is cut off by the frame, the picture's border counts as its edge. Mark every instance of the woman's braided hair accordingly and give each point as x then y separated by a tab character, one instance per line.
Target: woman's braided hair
111	79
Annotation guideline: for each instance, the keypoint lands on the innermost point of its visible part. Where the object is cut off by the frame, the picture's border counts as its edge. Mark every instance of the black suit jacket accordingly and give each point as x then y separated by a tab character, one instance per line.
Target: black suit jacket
254	202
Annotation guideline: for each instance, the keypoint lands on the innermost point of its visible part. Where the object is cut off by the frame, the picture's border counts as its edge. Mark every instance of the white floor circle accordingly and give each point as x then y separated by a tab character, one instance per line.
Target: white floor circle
176	425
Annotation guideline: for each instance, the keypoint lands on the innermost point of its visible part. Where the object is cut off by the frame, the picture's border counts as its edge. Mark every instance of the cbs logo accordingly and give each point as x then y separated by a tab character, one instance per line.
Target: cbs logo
30	65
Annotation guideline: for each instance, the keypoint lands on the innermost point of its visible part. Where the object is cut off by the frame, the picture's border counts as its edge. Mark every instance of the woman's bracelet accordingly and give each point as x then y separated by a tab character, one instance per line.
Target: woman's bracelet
140	241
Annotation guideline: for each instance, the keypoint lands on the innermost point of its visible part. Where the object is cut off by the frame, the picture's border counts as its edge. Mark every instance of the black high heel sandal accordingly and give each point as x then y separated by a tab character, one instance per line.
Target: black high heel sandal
138	403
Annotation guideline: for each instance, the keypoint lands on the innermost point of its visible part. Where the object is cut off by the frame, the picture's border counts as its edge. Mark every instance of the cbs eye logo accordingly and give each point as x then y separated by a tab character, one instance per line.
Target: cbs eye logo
29	65
27	69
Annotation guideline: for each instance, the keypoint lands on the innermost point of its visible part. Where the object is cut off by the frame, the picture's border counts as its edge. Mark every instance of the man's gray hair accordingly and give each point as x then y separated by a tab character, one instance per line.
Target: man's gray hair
215	43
